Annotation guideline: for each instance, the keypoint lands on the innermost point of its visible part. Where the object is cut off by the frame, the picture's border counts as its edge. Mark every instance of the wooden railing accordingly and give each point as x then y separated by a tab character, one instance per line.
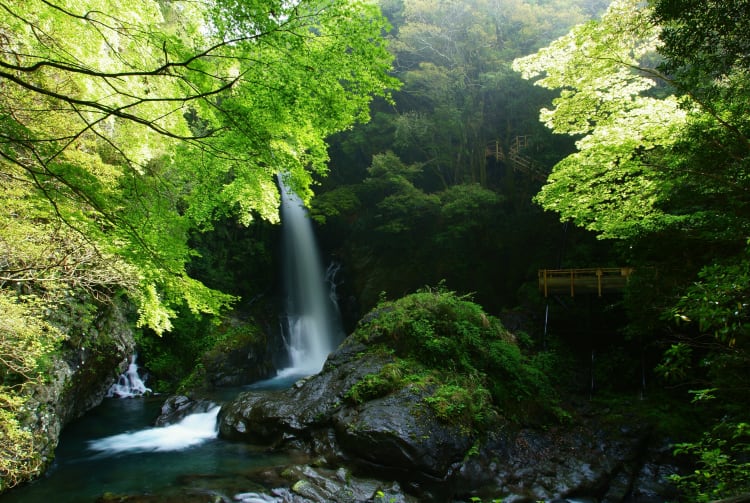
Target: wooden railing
588	280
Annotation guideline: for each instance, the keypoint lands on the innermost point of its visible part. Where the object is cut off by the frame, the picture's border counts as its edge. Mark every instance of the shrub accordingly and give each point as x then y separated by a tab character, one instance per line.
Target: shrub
26	339
723	459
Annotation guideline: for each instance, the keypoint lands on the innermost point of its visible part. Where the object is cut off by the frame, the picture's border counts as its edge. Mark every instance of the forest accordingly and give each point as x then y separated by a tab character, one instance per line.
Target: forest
451	146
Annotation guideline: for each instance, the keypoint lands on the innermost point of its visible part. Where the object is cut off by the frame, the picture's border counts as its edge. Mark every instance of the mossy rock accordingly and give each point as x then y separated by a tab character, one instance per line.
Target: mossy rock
473	364
238	356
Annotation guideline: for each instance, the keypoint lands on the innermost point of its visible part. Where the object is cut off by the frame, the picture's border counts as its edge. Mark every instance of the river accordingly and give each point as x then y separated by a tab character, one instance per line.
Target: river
115	450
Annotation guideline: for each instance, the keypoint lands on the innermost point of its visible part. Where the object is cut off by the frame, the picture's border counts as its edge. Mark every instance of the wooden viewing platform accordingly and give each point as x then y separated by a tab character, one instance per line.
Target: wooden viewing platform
588	280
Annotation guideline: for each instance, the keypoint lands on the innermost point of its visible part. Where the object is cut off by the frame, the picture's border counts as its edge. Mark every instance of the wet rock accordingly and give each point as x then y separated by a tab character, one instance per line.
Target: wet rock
177	407
276	417
320	485
651	482
254	498
618	487
80	374
396	437
238	360
398	432
567	461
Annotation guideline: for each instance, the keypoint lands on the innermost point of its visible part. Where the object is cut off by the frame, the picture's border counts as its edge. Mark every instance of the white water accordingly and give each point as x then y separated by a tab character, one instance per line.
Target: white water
311	326
129	383
312	329
193	430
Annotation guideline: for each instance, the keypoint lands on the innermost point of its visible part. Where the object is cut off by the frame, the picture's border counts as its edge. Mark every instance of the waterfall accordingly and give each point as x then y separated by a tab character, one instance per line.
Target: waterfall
312	326
129	384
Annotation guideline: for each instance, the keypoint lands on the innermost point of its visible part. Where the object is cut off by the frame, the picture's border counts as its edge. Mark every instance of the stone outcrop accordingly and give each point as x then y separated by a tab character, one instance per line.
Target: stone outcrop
178	407
244	351
80	374
398	438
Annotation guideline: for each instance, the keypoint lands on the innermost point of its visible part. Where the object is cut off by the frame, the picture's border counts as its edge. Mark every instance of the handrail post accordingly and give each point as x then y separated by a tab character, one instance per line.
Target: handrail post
599	281
572	282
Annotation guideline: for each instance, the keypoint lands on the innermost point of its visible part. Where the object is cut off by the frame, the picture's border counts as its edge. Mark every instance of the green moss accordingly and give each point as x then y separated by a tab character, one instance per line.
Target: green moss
390	378
461	404
175	358
228	337
448	344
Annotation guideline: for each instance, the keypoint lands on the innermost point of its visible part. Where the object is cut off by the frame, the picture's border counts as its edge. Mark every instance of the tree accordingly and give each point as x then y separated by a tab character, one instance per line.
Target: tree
459	96
453	58
635	171
705	49
606	186
136	121
704	43
660	113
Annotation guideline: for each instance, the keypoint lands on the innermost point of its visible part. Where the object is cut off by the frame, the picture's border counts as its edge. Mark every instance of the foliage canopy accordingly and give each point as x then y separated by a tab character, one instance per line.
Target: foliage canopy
133	122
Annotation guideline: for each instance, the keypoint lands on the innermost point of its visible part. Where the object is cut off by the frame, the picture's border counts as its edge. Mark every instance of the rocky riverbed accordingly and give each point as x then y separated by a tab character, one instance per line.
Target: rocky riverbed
400	442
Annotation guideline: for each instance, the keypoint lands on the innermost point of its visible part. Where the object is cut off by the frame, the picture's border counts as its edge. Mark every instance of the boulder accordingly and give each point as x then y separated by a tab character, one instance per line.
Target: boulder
337	485
177	407
272	417
397	437
400	433
242	355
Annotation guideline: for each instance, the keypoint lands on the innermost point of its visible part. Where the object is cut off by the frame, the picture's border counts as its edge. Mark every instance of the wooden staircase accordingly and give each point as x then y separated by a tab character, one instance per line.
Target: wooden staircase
517	160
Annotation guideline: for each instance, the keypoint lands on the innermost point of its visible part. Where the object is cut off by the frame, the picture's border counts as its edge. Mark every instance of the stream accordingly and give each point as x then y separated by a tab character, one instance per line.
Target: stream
115	449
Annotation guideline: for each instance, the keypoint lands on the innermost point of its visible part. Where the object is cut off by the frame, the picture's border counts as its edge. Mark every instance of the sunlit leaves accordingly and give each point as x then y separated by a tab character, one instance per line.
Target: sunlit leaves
48	254
606	186
596	66
651	166
613	185
137	121
127	125
24	338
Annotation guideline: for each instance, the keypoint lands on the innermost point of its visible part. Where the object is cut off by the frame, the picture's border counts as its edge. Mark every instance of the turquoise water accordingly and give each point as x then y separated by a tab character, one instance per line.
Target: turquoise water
129	459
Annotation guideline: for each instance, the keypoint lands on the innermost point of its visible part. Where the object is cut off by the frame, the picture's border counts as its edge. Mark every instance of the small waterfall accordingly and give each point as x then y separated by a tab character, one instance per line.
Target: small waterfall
129	384
312	326
330	278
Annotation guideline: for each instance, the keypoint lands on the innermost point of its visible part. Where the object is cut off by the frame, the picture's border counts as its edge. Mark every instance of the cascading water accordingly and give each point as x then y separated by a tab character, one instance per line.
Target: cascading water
129	383
312	324
193	430
147	459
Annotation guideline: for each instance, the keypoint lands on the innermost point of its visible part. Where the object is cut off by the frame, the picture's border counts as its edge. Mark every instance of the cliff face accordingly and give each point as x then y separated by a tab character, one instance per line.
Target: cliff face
97	350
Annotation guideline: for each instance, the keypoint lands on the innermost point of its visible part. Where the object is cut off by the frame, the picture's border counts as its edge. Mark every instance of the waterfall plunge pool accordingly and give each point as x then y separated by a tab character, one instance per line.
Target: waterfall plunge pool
115	450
